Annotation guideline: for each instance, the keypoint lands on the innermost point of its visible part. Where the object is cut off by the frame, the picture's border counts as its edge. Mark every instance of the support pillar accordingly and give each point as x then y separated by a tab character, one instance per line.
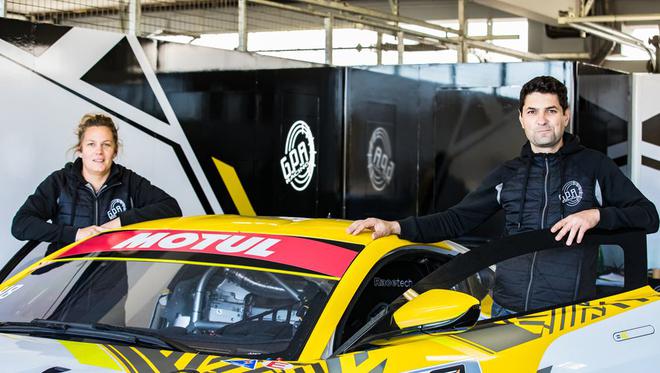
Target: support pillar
242	26
462	51
134	17
327	23
379	48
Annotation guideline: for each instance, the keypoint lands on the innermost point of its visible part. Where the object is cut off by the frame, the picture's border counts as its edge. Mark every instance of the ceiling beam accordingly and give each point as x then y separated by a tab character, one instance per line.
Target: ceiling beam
611	18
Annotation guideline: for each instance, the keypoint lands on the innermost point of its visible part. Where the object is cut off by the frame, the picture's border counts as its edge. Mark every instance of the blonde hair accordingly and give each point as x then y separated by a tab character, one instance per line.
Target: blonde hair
95	120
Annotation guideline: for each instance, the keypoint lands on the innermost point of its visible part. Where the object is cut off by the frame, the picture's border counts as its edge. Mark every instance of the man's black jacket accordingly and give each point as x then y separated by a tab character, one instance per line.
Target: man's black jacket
536	191
69	202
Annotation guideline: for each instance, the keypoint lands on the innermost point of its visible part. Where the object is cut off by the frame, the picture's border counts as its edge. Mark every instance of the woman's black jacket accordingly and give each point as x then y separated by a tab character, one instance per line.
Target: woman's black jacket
66	200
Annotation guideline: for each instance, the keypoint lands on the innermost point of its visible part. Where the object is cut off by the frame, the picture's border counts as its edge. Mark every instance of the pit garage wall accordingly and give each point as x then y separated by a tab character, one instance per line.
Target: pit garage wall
645	149
442	129
50	76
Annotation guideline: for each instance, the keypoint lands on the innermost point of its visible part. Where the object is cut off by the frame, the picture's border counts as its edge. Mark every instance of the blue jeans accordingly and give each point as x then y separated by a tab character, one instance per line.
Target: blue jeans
499	311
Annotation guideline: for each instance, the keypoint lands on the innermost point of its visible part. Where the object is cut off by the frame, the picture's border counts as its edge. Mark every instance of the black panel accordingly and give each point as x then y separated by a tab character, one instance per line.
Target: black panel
621	161
118	73
449	128
650	162
651	130
593	120
34	38
598	128
391	103
474	132
588	69
242	118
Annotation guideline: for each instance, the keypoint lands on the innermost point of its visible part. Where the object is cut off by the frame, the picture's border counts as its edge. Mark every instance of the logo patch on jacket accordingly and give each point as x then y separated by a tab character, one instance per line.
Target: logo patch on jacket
571	193
116	206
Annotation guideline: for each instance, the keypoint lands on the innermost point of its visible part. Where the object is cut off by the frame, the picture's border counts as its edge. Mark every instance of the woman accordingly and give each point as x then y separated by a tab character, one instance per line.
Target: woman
90	195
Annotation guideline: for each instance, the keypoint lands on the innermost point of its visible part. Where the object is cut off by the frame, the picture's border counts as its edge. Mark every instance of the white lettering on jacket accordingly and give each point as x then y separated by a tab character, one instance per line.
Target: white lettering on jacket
224	243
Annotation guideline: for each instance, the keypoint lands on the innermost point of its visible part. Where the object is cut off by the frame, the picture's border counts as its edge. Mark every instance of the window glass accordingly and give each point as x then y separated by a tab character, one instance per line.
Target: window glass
238	311
391	278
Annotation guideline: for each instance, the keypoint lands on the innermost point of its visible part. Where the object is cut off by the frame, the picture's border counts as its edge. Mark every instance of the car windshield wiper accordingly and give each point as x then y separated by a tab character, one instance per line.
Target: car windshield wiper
96	331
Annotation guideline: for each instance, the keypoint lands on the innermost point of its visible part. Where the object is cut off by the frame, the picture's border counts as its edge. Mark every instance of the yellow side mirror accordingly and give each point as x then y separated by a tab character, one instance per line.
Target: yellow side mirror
435	308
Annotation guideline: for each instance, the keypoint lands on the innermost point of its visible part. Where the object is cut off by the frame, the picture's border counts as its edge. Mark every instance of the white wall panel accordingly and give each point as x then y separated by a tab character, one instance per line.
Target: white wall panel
645	90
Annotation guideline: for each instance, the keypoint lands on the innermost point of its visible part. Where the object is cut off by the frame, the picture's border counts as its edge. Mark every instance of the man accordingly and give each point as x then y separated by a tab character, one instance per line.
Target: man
555	183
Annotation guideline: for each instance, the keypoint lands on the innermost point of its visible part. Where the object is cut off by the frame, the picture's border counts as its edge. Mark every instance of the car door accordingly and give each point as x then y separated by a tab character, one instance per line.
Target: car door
552	336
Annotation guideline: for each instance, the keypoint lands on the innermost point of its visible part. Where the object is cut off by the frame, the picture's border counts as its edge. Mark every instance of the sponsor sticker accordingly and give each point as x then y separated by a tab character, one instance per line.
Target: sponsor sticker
392	283
249	364
273	364
299	160
379	159
10	290
641	331
299	252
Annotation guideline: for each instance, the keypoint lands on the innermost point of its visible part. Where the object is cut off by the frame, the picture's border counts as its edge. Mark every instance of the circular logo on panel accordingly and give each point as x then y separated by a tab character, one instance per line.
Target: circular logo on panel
571	193
379	159
299	160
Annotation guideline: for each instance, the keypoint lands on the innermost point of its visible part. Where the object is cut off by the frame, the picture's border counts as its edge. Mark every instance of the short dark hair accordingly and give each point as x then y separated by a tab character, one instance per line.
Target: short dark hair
544	84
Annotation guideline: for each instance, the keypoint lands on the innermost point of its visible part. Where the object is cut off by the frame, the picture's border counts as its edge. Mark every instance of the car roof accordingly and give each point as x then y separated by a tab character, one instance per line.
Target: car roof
268	243
319	228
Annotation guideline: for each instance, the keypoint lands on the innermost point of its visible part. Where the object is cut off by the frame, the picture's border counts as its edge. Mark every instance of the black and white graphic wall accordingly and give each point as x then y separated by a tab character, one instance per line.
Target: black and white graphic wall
50	76
645	150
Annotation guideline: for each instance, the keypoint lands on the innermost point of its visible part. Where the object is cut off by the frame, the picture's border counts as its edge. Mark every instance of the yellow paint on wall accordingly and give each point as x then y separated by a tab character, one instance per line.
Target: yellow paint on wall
235	188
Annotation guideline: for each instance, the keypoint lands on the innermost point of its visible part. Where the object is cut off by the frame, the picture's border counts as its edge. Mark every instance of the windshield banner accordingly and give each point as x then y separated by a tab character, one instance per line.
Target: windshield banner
299	252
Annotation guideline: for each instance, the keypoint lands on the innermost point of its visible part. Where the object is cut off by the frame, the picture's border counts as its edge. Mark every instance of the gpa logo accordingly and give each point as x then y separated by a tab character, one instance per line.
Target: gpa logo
299	159
379	159
116	206
571	193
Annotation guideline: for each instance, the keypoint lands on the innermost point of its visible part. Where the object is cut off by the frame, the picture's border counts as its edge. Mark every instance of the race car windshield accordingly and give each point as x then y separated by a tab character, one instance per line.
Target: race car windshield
219	309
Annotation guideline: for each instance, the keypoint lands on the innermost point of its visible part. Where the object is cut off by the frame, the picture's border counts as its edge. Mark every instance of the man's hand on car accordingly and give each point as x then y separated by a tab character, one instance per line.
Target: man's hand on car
113	224
89	231
380	227
576	225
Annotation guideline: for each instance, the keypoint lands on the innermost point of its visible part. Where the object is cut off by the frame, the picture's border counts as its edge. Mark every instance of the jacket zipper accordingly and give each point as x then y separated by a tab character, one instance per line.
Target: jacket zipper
545	206
96	199
96	203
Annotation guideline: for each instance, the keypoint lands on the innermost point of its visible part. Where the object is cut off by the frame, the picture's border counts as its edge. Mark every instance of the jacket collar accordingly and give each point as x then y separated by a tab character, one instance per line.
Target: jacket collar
74	171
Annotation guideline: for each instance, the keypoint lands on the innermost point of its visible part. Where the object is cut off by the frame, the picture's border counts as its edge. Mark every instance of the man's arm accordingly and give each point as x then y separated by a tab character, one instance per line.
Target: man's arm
624	206
473	210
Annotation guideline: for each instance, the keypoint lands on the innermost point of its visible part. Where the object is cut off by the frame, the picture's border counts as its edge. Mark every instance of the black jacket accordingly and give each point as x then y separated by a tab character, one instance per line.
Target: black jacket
536	191
69	202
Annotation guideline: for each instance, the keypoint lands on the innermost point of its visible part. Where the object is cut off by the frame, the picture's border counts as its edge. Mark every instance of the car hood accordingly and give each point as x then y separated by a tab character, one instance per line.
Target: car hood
20	353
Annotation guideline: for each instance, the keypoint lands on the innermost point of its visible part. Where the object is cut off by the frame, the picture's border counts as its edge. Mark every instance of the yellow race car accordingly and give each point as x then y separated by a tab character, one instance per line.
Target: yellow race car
230	293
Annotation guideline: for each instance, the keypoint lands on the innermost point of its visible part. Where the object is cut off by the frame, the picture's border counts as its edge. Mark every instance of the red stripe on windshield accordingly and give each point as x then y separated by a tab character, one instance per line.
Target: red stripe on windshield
300	252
